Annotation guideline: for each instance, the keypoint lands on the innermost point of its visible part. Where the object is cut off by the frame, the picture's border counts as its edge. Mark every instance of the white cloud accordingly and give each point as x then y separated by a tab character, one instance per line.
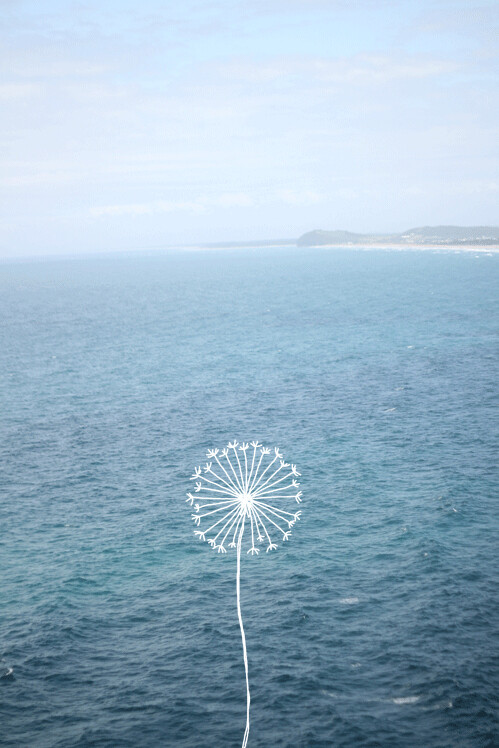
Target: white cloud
206	203
229	200
199	205
145	209
298	197
357	69
18	90
245	119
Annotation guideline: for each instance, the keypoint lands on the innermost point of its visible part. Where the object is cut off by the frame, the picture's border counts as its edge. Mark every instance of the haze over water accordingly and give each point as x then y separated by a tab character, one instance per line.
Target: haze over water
376	373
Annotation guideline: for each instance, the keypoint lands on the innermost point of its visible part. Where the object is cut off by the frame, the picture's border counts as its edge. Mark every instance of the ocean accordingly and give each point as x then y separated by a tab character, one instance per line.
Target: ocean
375	372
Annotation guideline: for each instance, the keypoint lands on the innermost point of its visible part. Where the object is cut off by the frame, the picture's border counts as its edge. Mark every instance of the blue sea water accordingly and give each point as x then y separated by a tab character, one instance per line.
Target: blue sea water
376	625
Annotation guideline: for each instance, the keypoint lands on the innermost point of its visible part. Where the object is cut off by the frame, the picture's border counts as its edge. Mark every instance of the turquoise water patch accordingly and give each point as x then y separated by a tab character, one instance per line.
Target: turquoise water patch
376	373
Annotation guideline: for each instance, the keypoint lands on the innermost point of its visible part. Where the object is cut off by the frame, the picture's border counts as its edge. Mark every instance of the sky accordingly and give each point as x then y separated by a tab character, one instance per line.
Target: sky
128	125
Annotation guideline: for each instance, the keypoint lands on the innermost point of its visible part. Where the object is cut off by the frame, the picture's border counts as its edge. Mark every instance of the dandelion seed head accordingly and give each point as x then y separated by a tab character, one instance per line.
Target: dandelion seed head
245	494
246	501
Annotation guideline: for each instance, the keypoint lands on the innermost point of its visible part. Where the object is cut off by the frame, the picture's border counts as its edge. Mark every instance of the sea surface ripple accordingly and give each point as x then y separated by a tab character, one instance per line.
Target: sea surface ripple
376	625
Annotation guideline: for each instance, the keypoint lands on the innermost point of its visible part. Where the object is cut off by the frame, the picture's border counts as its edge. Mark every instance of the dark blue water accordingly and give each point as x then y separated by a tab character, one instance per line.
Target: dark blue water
376	625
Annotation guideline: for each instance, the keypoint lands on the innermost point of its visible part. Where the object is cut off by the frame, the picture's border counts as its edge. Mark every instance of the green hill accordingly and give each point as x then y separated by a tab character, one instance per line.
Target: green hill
472	235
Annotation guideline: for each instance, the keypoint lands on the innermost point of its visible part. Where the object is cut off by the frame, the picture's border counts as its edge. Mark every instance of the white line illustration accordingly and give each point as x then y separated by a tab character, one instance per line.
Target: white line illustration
244	487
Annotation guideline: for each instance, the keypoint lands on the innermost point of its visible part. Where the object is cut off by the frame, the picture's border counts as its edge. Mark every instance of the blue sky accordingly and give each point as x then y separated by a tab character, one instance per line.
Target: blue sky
128	125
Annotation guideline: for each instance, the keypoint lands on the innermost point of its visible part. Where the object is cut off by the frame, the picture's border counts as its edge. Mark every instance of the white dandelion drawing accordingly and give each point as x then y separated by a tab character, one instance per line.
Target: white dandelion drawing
241	498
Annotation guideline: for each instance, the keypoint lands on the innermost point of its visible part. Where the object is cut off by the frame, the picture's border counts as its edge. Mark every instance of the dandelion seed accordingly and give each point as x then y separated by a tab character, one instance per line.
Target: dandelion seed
241	494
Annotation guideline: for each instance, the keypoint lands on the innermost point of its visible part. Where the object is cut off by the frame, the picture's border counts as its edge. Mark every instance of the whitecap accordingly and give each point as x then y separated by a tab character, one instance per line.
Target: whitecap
349	600
406	700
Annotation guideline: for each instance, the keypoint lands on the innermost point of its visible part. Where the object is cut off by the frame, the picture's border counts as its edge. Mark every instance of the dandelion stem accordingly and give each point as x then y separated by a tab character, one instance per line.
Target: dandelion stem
244	500
243	637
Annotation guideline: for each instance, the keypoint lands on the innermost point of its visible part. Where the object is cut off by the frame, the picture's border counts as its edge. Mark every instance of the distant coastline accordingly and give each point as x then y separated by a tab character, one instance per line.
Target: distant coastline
454	238
475	248
430	237
490	248
478	239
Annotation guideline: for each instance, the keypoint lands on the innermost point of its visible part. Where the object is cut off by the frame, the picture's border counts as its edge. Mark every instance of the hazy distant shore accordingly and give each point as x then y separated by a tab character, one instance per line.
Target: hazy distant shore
421	237
450	238
413	247
491	248
477	248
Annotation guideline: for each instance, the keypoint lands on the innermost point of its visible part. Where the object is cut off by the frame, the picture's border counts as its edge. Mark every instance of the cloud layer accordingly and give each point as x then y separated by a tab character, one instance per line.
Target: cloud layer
220	120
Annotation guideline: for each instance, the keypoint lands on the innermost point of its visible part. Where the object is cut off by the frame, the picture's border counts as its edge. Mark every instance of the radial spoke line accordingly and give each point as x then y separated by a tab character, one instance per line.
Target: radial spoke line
267	485
262	524
220	520
268	479
273	498
231	490
219	477
235	476
241	515
215	503
202	497
218	488
231	482
228	521
252	466
257	469
245	472
240	468
263	473
220	509
258	523
269	506
283	519
271	520
232	523
275	490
